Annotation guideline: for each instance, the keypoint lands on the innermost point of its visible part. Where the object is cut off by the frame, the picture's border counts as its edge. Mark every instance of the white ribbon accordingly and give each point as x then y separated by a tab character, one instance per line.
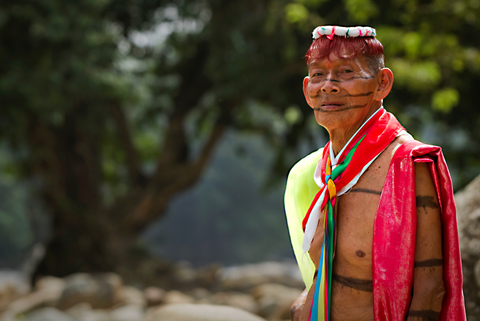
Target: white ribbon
343	31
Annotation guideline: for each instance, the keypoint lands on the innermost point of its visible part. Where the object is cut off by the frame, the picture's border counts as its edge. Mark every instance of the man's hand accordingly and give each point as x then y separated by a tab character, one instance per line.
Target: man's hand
297	306
428	285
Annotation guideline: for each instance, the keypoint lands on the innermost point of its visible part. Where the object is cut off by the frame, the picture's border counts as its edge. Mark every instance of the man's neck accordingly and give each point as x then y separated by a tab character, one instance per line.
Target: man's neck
339	140
340	137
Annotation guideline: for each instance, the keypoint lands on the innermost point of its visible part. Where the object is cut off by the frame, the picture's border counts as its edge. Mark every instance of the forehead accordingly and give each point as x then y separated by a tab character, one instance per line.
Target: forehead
334	60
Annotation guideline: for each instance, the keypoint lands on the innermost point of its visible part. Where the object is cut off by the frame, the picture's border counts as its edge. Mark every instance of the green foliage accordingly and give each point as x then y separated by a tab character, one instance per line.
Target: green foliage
296	12
292	115
361	10
109	103
416	76
445	99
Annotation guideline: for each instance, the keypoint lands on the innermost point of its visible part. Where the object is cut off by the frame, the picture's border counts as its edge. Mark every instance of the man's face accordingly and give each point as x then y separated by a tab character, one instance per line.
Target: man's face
343	92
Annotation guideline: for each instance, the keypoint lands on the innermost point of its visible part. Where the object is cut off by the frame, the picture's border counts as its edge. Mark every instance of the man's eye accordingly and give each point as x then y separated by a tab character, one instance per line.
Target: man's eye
317	74
347	71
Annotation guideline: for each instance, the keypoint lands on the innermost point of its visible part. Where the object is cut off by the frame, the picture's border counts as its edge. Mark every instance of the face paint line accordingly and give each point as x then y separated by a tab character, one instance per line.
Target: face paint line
345	80
360	95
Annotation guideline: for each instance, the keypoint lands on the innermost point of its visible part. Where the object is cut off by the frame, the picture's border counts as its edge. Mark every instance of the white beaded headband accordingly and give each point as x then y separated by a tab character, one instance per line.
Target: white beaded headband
331	31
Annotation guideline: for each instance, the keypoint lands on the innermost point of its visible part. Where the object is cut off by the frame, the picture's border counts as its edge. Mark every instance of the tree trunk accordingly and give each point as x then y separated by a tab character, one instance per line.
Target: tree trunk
67	159
87	236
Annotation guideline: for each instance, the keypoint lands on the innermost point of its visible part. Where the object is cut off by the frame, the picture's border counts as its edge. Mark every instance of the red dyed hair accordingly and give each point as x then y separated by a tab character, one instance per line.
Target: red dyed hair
348	48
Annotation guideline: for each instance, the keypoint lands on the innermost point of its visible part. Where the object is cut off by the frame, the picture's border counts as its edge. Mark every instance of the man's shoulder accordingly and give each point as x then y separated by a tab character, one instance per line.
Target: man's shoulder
411	148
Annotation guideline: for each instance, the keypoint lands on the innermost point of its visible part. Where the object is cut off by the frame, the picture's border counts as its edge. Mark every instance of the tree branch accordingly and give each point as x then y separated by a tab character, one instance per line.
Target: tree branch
133	165
170	181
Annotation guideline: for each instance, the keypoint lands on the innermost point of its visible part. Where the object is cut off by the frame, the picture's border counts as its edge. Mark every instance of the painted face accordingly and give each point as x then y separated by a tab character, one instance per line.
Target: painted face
342	92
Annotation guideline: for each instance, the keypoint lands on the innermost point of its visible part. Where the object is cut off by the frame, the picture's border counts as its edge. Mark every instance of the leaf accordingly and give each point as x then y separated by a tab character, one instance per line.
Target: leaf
296	12
416	76
361	10
445	99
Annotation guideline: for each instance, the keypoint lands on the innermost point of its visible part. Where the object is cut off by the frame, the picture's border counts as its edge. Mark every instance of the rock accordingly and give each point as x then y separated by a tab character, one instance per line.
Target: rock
184	273
127	313
176	297
476	273
247	276
132	296
50	283
13	284
84	312
101	291
281	313
199	312
200	294
80	311
48	314
48	291
468	218
208	276
237	300
154	296
272	299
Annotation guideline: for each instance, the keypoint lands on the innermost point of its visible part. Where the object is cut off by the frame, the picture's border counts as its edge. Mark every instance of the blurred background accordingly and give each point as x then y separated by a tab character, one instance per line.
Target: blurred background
136	134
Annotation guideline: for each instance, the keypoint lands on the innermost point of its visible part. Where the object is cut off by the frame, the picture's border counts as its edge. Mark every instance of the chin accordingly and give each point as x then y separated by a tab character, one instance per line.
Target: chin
334	121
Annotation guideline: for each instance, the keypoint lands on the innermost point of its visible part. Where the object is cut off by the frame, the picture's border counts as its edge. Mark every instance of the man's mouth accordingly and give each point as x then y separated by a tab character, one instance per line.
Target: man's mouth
337	107
329	104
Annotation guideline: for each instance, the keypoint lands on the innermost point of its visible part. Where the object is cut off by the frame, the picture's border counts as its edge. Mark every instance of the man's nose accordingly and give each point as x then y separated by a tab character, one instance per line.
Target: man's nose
330	86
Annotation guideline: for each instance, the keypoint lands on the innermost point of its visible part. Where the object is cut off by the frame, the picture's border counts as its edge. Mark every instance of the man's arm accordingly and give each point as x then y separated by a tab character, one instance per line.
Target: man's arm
297	306
428	285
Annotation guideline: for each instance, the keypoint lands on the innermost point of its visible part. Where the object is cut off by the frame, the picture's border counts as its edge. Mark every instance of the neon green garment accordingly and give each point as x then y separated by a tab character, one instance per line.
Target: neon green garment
299	193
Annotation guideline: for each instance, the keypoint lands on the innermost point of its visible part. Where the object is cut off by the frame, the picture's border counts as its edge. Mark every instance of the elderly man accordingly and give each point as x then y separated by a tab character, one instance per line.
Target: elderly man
371	214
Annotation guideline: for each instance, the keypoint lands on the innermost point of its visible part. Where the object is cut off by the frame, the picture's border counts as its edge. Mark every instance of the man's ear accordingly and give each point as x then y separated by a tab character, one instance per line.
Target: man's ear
385	83
305	84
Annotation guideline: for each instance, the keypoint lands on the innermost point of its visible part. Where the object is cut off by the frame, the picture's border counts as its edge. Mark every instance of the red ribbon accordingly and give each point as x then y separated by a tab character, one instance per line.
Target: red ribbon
332	34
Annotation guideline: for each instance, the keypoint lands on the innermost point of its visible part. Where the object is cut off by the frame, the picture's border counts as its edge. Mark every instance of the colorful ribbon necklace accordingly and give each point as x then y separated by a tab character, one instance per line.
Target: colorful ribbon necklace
358	154
321	310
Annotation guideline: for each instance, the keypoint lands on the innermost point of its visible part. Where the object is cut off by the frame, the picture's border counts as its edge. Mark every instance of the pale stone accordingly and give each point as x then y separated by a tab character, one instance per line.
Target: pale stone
468	217
273	297
208	276
49	290
13	284
236	299
78	311
200	294
132	296
468	205
175	297
101	291
249	275
184	272
48	314
84	312
127	313
200	312
476	271
154	296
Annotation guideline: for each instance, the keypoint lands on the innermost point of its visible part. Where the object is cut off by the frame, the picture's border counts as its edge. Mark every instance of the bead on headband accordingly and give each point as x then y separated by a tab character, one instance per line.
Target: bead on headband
331	31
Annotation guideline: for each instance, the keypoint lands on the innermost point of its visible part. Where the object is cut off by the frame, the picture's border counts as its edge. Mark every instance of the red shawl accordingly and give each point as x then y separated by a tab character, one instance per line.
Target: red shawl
394	236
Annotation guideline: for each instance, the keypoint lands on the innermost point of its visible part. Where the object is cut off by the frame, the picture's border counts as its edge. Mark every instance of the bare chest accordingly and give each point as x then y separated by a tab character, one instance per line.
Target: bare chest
356	212
352	266
355	219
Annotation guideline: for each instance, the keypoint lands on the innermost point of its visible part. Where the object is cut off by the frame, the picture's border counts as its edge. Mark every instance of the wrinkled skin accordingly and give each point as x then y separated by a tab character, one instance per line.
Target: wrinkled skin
343	94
